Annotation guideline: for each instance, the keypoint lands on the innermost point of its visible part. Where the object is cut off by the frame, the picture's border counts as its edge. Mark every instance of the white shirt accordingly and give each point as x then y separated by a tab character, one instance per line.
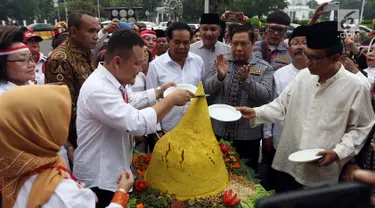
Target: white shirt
336	116
140	83
68	194
370	74
5	86
209	55
105	124
282	78
163	69
39	75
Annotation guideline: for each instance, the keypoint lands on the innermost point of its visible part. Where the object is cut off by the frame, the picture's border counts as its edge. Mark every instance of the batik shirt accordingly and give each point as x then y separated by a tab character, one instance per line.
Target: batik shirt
72	66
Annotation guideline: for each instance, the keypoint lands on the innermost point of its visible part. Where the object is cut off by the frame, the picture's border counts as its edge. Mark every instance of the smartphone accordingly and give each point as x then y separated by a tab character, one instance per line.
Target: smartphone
332	6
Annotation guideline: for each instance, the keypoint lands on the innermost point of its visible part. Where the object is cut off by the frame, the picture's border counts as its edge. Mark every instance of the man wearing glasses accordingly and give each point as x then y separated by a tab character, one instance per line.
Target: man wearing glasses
17	65
274	50
325	107
282	79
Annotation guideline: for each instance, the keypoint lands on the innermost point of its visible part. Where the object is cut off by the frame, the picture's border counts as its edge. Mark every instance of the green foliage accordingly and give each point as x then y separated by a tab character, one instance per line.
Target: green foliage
132	203
244	170
19	9
260	193
301	22
258	8
81	5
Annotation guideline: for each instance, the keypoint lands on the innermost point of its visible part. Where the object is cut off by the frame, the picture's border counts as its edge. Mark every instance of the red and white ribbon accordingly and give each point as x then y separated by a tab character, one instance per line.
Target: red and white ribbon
14	50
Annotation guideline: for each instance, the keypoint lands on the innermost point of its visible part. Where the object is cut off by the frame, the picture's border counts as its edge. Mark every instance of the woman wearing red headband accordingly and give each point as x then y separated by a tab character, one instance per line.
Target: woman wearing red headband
149	37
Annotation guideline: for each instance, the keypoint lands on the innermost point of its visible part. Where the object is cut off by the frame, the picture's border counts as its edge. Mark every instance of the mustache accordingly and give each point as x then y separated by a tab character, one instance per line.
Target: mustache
299	51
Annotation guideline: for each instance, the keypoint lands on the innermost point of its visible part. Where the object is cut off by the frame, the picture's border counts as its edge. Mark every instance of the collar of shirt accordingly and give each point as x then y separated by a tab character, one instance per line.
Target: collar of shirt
168	58
281	47
112	79
8	85
74	49
329	81
213	48
370	71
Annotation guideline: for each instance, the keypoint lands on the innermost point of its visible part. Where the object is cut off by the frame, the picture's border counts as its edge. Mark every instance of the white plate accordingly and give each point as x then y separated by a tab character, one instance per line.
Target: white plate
189	87
222	112
304	156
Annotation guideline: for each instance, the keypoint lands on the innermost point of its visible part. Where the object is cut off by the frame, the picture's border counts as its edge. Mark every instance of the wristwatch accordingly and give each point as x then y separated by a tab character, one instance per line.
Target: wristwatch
160	92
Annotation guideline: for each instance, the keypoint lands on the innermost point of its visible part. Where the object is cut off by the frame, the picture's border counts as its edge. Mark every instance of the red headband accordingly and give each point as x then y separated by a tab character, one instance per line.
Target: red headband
276	24
14	50
147	32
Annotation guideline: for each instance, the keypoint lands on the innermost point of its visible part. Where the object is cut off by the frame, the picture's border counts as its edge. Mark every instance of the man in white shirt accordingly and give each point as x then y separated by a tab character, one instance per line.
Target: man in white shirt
325	107
106	118
177	65
209	47
282	78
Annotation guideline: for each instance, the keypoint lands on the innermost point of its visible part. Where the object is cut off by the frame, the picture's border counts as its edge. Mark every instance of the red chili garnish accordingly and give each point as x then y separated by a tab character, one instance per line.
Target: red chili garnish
230	199
140	185
225	148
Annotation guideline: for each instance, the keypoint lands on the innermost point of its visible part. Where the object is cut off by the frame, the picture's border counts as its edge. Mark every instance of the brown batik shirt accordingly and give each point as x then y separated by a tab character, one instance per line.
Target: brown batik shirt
72	66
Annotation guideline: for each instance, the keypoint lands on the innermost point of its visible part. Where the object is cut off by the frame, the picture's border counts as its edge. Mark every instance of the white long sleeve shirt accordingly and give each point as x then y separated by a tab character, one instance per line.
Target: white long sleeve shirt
163	69
105	125
282	78
336	116
68	194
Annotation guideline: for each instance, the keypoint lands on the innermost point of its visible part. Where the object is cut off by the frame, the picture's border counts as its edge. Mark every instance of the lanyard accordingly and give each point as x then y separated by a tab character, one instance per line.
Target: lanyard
269	57
40	169
125	96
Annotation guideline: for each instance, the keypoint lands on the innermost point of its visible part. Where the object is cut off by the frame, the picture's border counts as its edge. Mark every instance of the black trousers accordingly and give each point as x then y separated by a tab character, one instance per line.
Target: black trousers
283	182
104	197
248	149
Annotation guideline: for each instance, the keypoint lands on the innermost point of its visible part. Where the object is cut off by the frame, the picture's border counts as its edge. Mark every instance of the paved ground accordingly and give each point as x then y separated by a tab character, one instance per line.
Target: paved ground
46	47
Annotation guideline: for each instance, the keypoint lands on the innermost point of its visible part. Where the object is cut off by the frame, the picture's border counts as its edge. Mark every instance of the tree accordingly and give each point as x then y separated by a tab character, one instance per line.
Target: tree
312	4
259	7
19	10
80	5
47	11
215	5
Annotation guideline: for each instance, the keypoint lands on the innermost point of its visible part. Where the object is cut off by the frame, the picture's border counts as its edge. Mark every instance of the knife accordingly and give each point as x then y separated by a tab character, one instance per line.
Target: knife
196	96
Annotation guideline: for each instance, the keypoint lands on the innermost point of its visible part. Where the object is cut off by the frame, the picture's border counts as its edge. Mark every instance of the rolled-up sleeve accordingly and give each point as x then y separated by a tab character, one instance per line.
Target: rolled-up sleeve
109	108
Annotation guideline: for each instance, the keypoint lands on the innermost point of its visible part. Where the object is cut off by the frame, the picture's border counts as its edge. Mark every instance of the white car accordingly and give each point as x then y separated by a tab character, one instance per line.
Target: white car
163	25
193	26
150	25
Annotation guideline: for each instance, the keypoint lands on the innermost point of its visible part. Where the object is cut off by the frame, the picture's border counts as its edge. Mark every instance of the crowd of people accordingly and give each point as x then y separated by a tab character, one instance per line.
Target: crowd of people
71	120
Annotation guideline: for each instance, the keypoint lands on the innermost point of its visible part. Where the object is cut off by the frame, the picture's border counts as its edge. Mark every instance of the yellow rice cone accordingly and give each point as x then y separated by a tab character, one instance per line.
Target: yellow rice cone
187	162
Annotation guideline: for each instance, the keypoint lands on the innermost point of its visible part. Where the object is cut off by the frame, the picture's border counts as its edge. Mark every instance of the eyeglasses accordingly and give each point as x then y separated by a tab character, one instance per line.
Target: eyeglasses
313	58
273	29
27	60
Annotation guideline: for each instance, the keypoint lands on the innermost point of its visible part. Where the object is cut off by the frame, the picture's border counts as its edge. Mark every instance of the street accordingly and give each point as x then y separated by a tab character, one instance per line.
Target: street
46	47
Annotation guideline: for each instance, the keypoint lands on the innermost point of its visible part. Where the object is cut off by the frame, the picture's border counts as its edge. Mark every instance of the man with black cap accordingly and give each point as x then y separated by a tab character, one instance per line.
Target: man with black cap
161	42
209	47
282	79
274	50
325	107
